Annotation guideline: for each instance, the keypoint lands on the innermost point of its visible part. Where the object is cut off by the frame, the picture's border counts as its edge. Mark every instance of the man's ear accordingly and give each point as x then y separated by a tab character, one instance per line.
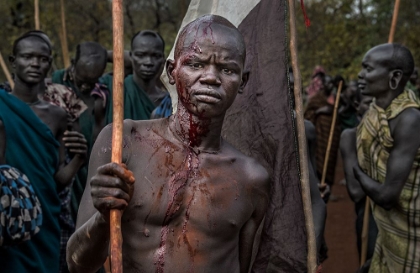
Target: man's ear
170	69
395	77
12	60
244	81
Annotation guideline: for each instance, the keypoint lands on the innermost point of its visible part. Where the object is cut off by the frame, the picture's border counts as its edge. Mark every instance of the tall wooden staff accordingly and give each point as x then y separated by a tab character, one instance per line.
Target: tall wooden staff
6	72
330	138
365	229
63	36
303	159
117	126
36	6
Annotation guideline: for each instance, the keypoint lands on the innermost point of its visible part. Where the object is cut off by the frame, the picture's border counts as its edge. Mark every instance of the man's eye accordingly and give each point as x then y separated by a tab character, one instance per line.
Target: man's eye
227	71
45	60
196	65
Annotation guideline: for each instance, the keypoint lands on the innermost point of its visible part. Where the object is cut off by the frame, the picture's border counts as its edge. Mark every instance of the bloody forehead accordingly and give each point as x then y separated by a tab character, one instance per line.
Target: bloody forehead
208	31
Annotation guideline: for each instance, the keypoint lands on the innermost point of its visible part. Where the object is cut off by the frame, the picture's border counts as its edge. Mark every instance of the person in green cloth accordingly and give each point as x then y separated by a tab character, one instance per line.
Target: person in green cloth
82	78
36	137
388	158
141	93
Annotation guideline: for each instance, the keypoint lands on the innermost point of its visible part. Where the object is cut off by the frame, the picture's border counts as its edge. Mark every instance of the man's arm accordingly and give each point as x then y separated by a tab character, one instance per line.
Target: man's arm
2	143
76	145
249	230
400	161
110	186
348	148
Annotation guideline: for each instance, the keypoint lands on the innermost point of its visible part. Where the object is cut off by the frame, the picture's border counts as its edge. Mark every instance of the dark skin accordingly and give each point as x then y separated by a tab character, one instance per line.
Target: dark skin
318	205
147	60
378	80
31	64
209	223
85	74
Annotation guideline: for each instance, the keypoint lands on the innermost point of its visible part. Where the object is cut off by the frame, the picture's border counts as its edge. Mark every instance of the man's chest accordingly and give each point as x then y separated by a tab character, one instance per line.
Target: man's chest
172	189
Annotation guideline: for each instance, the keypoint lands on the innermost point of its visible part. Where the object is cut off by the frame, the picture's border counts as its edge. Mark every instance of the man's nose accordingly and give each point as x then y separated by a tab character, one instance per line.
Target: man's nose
210	76
148	61
361	75
35	61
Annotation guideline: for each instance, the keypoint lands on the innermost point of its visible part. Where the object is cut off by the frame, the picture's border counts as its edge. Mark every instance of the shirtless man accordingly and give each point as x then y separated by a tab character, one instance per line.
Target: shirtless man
197	202
35	135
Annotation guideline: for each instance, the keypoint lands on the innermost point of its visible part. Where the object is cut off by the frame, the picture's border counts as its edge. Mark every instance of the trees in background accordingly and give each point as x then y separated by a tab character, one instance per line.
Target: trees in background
343	30
340	34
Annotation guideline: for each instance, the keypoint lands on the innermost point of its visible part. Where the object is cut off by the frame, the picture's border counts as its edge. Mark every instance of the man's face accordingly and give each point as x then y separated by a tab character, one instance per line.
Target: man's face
374	76
147	57
87	72
32	60
208	71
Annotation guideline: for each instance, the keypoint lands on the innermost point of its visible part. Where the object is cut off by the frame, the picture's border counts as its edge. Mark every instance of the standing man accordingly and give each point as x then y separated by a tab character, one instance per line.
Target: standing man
319	111
388	155
141	93
35	135
196	202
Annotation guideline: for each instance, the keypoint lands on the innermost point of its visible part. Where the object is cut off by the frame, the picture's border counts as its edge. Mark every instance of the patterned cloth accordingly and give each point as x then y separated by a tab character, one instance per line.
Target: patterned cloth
20	209
397	247
65	98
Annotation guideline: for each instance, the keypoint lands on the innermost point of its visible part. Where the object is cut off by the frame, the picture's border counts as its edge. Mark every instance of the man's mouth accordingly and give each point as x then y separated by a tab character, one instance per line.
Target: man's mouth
207	95
34	74
361	86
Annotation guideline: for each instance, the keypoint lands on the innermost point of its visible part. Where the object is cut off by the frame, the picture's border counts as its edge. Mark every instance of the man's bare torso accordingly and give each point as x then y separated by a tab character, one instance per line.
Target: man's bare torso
188	208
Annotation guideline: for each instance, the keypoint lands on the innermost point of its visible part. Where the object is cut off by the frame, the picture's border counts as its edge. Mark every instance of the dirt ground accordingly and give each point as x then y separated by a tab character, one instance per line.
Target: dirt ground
340	233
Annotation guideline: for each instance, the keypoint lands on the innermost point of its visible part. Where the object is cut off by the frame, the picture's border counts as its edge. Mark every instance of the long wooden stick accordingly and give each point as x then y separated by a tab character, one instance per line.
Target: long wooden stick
394	21
63	36
330	138
6	72
36	6
303	159
117	125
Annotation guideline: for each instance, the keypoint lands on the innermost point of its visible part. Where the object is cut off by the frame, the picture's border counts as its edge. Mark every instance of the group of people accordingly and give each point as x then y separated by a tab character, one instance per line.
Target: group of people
191	202
48	126
375	130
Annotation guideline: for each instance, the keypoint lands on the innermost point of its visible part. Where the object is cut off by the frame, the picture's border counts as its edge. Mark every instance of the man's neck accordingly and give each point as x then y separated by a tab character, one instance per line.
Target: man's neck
147	86
200	134
385	99
27	93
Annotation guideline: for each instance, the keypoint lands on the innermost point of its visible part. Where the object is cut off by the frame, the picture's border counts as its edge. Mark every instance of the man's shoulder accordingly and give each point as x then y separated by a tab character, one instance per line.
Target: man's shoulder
252	171
408	121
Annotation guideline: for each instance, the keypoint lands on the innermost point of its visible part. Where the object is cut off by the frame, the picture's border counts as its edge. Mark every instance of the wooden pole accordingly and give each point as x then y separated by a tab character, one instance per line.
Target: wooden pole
303	159
36	6
330	138
63	36
117	126
394	21
6	72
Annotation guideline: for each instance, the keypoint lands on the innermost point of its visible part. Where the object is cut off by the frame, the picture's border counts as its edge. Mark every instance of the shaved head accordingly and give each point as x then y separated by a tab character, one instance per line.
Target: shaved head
395	56
203	26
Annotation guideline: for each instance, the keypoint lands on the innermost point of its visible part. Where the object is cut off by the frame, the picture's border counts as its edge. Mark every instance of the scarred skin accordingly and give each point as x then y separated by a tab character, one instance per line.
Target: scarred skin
31	64
196	202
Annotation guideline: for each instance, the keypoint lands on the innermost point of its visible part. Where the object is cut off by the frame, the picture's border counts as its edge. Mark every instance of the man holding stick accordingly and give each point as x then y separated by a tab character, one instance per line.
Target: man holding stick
197	202
388	158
